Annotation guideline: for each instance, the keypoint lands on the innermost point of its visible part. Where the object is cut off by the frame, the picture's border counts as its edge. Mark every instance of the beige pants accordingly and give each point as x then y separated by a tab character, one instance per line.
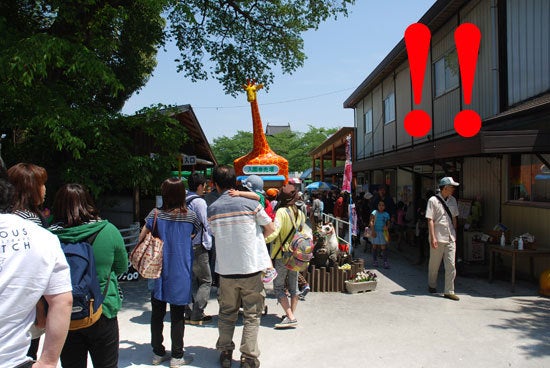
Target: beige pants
445	251
249	293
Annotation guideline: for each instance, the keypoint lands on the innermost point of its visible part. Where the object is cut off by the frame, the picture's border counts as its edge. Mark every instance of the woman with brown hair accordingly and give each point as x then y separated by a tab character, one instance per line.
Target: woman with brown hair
176	226
29	183
76	219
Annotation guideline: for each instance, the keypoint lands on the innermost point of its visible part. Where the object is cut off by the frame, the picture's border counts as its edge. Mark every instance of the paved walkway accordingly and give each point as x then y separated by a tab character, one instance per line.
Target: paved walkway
397	325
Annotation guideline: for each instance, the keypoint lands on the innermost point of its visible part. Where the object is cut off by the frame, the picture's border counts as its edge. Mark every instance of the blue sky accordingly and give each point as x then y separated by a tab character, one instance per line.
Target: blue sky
341	54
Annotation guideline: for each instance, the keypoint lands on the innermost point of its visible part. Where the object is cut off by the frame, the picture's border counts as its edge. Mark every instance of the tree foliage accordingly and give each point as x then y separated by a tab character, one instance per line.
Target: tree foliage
294	146
245	39
67	67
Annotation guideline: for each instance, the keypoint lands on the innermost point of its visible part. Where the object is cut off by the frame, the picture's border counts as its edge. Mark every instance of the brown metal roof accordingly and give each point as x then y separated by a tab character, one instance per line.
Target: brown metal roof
197	145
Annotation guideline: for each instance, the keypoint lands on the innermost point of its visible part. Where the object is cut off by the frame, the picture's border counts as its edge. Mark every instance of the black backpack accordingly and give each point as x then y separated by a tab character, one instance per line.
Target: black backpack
87	295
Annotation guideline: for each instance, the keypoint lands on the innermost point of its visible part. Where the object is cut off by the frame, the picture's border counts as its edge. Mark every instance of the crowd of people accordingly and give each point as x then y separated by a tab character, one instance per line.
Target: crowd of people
232	237
35	279
429	224
217	238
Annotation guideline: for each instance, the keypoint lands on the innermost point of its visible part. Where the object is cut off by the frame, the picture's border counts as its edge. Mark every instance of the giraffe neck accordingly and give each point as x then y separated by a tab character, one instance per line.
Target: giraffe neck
259	139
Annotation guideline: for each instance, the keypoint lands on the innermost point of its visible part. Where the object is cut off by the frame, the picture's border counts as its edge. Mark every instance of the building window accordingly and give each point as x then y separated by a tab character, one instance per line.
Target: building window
368	122
389	108
446	74
529	178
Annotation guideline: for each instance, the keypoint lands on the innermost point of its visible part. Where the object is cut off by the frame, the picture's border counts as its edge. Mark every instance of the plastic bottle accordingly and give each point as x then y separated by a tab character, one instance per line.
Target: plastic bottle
502	240
520	243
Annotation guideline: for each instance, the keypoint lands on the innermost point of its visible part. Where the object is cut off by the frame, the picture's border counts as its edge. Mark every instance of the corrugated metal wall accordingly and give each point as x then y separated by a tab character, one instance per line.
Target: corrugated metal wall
403	102
484	101
528	30
360	129
481	177
533	220
447	105
426	103
378	120
389	129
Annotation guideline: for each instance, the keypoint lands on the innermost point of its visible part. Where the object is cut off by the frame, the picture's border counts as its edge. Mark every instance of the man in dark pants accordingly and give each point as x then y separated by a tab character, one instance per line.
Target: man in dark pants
202	243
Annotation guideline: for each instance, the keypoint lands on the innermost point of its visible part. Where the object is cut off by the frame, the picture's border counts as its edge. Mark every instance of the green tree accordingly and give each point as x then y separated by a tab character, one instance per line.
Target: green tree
245	39
294	146
67	67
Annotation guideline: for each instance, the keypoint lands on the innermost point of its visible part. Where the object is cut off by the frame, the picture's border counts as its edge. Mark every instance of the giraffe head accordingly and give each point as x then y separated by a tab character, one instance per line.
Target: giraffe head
251	87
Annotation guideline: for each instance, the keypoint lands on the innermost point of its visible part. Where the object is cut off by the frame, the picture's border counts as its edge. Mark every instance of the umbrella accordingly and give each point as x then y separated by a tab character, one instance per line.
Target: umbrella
321	185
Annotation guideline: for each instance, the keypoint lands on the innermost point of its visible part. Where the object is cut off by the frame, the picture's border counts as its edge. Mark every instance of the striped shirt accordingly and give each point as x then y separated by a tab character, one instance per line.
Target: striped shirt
236	223
176	230
30	216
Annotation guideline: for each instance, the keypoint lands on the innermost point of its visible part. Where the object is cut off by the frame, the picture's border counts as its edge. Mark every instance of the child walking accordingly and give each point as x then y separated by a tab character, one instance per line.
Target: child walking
379	221
255	186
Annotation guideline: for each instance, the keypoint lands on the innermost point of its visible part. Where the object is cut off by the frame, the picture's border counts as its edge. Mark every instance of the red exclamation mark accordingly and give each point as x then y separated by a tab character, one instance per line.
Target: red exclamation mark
417	40
467	39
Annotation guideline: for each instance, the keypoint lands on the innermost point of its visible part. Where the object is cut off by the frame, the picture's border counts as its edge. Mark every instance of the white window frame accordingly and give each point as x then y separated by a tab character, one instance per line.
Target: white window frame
389	108
367	121
446	76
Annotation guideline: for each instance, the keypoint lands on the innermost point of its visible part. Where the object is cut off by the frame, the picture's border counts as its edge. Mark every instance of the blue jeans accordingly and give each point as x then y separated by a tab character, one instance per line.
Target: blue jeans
100	340
203	279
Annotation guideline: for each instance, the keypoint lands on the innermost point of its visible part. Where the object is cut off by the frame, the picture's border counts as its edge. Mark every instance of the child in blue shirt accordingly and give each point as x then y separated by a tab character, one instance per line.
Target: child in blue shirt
379	221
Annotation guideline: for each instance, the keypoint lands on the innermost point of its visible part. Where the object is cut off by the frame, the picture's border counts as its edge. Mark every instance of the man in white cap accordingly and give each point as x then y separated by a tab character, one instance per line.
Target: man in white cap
442	213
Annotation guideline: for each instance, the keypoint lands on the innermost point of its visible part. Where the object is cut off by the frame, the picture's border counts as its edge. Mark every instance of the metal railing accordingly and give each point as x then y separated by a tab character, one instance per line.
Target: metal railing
130	235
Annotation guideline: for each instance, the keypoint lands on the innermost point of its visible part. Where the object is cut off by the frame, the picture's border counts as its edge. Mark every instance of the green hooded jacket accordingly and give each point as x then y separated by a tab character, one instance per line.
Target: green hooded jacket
111	257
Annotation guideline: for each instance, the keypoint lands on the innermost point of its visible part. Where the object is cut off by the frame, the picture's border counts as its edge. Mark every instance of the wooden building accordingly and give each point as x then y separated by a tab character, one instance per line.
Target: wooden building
505	165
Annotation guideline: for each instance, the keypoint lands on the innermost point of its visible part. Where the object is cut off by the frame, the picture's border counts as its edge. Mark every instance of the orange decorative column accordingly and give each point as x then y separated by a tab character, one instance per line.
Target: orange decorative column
261	160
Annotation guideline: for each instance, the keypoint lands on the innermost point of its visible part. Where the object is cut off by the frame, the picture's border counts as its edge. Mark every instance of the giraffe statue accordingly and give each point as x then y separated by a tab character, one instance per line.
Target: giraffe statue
261	154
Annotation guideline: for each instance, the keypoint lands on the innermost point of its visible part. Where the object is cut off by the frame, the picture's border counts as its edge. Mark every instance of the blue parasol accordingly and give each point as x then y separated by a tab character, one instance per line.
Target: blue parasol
321	185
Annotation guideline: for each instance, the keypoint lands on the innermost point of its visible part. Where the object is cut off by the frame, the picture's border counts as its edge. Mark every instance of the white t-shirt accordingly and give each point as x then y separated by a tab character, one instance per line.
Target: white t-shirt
32	264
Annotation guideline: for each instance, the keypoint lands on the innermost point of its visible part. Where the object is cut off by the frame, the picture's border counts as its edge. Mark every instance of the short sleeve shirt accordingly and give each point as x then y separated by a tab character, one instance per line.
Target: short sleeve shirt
236	223
443	225
32	264
381	218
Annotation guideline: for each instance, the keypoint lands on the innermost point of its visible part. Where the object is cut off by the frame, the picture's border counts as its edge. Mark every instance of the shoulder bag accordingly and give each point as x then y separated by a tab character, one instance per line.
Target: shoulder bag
147	255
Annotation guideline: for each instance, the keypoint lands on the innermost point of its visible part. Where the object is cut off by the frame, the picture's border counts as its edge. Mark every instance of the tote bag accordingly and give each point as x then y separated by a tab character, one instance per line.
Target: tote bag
147	255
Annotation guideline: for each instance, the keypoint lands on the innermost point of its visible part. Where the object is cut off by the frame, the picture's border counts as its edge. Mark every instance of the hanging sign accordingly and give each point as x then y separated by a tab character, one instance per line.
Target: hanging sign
189	160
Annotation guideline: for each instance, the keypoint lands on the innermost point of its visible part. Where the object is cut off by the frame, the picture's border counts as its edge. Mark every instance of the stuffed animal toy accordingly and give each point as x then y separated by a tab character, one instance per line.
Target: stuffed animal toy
331	244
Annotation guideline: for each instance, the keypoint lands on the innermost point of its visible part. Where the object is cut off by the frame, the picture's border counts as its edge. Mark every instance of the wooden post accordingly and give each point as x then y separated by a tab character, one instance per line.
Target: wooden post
317	277
334	277
323	286
343	283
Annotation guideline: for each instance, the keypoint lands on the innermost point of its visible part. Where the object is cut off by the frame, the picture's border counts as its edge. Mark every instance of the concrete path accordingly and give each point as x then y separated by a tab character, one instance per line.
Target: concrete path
397	325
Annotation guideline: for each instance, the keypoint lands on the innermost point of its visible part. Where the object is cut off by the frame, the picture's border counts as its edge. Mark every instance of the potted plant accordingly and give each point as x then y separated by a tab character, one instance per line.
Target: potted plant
362	281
